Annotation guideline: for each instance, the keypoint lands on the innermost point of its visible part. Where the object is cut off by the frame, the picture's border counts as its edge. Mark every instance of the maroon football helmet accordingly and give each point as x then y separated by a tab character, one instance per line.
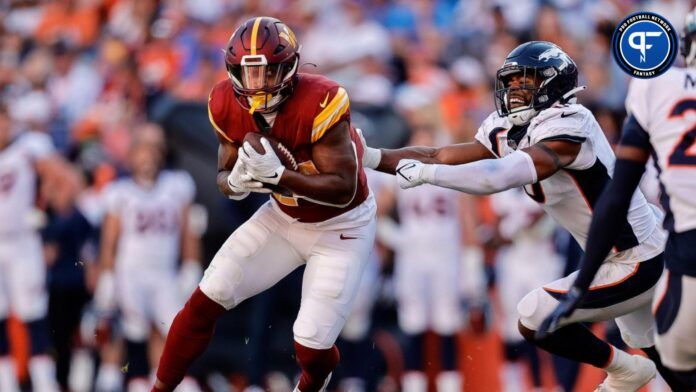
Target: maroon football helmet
262	58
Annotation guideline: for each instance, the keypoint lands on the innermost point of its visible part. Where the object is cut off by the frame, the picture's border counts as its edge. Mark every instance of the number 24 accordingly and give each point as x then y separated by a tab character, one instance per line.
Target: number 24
684	152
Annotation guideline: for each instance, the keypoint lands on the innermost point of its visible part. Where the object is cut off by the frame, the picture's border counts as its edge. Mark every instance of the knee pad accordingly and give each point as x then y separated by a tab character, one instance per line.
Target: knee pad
138	366
4	340
220	287
529	311
39	336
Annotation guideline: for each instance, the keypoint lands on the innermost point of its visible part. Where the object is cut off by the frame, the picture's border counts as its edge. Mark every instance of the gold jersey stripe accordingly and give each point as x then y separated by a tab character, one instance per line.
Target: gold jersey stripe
330	107
330	115
254	34
217	129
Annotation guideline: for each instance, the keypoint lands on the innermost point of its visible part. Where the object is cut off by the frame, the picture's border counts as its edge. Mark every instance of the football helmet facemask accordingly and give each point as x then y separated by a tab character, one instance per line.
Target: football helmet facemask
545	75
688	39
262	58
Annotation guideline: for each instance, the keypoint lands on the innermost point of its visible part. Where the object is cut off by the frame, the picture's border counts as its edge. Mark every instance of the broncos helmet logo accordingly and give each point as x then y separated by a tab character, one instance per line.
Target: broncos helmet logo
556	53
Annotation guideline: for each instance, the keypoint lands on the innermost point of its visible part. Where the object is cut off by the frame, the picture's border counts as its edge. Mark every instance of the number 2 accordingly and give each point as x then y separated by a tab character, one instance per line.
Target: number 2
684	152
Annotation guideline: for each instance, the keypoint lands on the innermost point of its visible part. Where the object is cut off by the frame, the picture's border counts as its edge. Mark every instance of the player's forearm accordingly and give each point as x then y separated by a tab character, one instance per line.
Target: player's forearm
607	220
327	188
484	177
391	158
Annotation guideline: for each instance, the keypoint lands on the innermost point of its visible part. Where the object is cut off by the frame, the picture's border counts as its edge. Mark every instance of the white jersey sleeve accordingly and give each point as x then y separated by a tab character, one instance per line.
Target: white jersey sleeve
490	129
572	123
637	102
181	185
114	197
36	145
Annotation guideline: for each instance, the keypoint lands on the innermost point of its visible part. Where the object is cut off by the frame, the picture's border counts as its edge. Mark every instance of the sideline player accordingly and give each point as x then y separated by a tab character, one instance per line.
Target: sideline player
540	139
427	277
661	122
23	158
328	223
144	234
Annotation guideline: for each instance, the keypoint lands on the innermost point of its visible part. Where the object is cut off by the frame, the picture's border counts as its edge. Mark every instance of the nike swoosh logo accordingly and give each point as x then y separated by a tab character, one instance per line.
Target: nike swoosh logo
408	166
345	237
564	115
323	104
275	175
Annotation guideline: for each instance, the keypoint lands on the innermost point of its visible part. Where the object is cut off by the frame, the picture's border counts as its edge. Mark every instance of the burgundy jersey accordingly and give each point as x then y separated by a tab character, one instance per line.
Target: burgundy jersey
316	105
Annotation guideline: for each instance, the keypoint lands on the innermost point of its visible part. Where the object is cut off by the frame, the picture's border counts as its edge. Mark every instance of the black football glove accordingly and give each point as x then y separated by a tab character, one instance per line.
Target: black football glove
564	309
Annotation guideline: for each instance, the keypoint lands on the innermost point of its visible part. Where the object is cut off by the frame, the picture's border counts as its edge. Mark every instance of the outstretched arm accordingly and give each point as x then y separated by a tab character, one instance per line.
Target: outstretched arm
455	154
489	176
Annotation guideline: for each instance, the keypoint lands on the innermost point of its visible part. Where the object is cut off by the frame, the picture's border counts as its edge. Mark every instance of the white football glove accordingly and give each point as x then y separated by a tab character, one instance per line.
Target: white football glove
371	156
411	173
241	184
266	167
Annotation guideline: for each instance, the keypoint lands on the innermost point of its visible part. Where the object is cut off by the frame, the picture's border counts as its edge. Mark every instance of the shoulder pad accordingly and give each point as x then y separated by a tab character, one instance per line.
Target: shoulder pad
566	122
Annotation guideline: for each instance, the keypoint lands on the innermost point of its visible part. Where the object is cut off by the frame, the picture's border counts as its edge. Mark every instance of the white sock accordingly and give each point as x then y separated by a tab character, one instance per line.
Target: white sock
619	360
414	382
8	375
109	378
81	371
188	384
512	377
139	385
42	370
449	381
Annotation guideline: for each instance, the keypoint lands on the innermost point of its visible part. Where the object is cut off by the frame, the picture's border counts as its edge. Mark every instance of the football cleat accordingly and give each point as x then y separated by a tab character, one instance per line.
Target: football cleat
630	378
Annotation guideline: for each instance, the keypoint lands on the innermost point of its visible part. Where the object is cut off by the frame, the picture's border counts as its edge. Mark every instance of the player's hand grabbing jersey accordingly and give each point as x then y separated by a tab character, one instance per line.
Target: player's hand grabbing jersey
570	194
317	105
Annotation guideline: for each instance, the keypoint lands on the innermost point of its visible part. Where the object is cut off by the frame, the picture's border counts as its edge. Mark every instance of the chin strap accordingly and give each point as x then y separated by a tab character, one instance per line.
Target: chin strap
572	92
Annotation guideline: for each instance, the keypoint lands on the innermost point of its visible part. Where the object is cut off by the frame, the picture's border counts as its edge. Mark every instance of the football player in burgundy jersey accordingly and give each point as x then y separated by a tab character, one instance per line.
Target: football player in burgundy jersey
326	223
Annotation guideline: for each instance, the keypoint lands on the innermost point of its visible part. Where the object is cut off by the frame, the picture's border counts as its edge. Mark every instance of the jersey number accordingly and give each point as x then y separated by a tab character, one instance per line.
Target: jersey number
684	152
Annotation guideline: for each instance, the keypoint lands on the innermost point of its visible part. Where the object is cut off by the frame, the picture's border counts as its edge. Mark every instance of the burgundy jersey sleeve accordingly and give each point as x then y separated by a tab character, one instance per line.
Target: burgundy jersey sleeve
332	109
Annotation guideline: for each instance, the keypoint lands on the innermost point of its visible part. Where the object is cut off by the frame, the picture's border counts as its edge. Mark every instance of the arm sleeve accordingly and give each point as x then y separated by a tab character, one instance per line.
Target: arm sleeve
605	228
634	135
486	176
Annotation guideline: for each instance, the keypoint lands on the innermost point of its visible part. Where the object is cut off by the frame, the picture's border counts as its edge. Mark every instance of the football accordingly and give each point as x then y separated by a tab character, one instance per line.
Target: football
283	153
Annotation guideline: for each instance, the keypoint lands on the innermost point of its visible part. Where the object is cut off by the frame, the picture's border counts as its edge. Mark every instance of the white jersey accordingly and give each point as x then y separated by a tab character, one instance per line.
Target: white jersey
150	219
665	107
570	194
18	179
428	215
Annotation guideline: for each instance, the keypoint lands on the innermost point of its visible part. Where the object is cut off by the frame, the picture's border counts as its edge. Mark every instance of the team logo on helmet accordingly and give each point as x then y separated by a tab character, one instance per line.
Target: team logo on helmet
555	53
645	45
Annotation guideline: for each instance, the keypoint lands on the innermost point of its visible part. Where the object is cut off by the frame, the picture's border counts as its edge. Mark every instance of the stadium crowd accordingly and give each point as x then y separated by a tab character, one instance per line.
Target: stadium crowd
91	74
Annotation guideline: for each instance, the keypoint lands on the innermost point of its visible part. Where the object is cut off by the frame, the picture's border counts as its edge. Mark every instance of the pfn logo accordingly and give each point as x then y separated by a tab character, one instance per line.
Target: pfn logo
642	46
645	45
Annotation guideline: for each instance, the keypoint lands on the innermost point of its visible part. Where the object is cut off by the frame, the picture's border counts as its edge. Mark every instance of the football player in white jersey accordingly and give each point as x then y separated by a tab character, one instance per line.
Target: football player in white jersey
144	234
427	246
661	123
540	139
23	159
